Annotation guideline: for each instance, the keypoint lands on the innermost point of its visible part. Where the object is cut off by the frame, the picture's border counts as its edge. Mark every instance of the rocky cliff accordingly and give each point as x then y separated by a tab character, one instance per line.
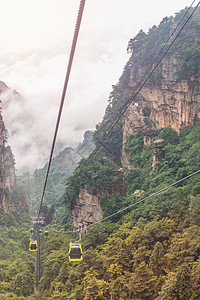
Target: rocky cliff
86	207
87	210
170	97
7	169
172	104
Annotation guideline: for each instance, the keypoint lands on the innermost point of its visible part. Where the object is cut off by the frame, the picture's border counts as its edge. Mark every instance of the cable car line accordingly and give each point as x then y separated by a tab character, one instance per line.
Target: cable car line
159	53
73	47
63	231
50	176
75	252
128	103
33	246
142	200
73	246
64	179
71	56
78	249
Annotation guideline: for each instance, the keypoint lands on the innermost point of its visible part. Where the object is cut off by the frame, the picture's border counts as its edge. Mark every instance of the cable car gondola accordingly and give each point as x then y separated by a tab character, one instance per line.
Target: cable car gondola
75	252
33	246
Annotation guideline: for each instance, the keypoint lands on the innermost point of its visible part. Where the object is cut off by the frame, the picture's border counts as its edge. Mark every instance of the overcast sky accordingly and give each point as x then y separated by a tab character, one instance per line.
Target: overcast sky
35	43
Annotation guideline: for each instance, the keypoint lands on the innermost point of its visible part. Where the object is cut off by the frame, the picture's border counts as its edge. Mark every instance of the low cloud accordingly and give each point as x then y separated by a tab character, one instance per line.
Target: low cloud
30	118
41	39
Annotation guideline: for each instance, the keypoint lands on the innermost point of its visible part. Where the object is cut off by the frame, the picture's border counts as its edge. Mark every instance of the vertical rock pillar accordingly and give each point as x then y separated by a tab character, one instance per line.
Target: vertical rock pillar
157	152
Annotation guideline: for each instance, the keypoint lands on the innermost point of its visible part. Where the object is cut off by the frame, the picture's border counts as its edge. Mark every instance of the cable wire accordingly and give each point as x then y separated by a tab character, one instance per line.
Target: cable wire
128	103
159	53
125	106
73	47
101	143
142	200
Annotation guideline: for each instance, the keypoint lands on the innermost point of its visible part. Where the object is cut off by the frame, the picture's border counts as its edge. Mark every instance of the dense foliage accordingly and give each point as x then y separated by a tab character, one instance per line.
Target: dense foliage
97	176
106	136
150	251
147	48
17	266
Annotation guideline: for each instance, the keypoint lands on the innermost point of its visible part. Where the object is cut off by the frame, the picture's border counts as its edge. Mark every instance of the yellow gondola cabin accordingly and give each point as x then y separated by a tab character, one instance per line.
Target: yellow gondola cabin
33	246
75	252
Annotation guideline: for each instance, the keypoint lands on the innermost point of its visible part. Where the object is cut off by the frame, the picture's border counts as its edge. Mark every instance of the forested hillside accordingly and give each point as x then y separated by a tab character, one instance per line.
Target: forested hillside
17	265
152	249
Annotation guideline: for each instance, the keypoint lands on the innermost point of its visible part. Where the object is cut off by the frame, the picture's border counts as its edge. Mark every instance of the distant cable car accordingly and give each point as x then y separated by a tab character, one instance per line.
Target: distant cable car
46	233
75	252
32	230
33	246
40	230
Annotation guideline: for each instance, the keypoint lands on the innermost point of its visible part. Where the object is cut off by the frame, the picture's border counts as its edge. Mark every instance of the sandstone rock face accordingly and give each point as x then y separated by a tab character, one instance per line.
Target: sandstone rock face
172	103
133	121
2	132
167	102
9	163
5	203
86	210
7	169
157	151
3	195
